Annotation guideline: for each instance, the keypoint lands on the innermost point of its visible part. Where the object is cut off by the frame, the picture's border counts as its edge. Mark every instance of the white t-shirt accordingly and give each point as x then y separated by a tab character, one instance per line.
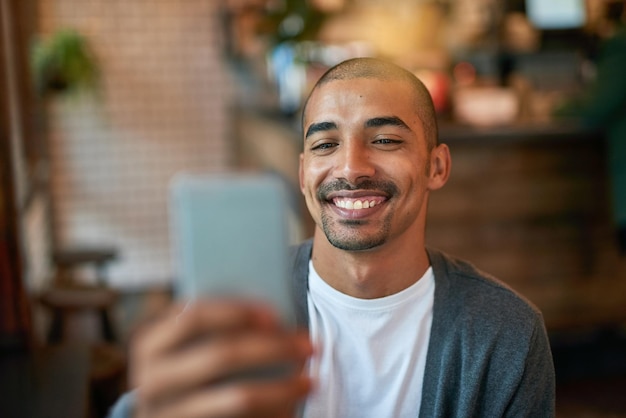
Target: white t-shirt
372	351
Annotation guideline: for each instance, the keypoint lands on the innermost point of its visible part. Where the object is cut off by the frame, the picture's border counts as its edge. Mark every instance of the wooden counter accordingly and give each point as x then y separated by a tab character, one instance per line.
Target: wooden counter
530	204
453	133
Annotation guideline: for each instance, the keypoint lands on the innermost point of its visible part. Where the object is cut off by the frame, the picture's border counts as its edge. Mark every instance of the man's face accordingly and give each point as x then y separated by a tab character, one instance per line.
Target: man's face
364	170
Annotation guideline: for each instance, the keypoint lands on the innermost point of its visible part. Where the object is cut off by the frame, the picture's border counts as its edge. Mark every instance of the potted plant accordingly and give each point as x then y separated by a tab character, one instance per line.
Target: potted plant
63	64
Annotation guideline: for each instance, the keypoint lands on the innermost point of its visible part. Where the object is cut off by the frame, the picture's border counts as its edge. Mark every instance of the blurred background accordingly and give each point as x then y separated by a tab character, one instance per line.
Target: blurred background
103	101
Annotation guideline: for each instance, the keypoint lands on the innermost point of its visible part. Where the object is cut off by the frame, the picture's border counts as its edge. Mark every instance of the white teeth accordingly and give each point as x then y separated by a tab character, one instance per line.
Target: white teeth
355	204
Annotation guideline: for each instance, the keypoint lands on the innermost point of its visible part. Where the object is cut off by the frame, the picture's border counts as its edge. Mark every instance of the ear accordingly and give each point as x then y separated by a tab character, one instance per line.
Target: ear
440	165
301	173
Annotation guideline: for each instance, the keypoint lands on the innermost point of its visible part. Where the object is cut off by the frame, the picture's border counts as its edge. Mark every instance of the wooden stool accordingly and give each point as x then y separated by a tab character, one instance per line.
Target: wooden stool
67	297
69	258
68	302
69	306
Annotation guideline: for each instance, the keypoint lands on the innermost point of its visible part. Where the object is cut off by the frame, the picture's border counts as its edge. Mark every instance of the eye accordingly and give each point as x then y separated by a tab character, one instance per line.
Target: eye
324	146
387	143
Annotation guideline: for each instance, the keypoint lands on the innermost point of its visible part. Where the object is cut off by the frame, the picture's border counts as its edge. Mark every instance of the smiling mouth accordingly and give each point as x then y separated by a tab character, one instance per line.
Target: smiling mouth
357	204
356	198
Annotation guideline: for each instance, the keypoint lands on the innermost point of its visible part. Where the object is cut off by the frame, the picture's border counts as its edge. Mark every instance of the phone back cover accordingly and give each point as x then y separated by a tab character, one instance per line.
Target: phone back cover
230	238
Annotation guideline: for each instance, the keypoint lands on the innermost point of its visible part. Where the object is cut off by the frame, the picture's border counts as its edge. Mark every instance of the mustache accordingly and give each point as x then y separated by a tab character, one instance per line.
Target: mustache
387	187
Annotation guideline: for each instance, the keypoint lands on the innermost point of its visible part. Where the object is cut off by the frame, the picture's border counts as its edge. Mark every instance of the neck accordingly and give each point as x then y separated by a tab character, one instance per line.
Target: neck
382	271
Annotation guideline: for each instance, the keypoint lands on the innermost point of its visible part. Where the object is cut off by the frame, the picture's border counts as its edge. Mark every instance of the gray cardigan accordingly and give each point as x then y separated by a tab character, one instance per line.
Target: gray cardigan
489	354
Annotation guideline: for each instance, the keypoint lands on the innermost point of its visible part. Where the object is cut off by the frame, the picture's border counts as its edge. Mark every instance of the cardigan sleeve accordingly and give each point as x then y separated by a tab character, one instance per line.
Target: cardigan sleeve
124	406
535	394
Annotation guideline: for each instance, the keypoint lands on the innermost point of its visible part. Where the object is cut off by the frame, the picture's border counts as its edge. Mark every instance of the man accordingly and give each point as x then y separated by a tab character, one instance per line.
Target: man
394	329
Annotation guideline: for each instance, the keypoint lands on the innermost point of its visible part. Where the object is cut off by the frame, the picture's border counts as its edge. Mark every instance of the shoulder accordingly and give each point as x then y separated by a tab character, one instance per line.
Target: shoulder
475	295
489	352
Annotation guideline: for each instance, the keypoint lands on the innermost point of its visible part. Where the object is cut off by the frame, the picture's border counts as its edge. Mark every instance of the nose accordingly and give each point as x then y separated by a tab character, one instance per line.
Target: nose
354	162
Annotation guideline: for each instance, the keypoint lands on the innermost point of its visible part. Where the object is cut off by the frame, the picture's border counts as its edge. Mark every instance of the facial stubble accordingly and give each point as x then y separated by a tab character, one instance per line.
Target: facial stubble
347	234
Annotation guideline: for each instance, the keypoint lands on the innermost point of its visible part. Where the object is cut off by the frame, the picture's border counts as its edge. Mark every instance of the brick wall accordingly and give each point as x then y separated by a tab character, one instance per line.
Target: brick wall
163	108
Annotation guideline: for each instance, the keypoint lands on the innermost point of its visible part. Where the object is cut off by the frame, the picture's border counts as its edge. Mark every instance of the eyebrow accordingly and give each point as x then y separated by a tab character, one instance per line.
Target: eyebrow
320	127
386	121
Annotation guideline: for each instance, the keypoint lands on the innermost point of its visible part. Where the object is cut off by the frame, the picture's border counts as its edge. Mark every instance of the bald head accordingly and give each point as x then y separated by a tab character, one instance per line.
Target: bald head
383	70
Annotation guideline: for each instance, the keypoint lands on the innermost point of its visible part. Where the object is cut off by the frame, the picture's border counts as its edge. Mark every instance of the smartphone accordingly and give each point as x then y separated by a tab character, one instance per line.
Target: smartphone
230	236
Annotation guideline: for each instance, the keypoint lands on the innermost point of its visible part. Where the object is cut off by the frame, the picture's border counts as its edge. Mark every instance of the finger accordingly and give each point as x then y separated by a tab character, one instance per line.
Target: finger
240	400
221	358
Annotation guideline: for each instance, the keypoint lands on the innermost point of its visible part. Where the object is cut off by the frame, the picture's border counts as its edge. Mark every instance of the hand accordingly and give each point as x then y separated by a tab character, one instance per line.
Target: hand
181	363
